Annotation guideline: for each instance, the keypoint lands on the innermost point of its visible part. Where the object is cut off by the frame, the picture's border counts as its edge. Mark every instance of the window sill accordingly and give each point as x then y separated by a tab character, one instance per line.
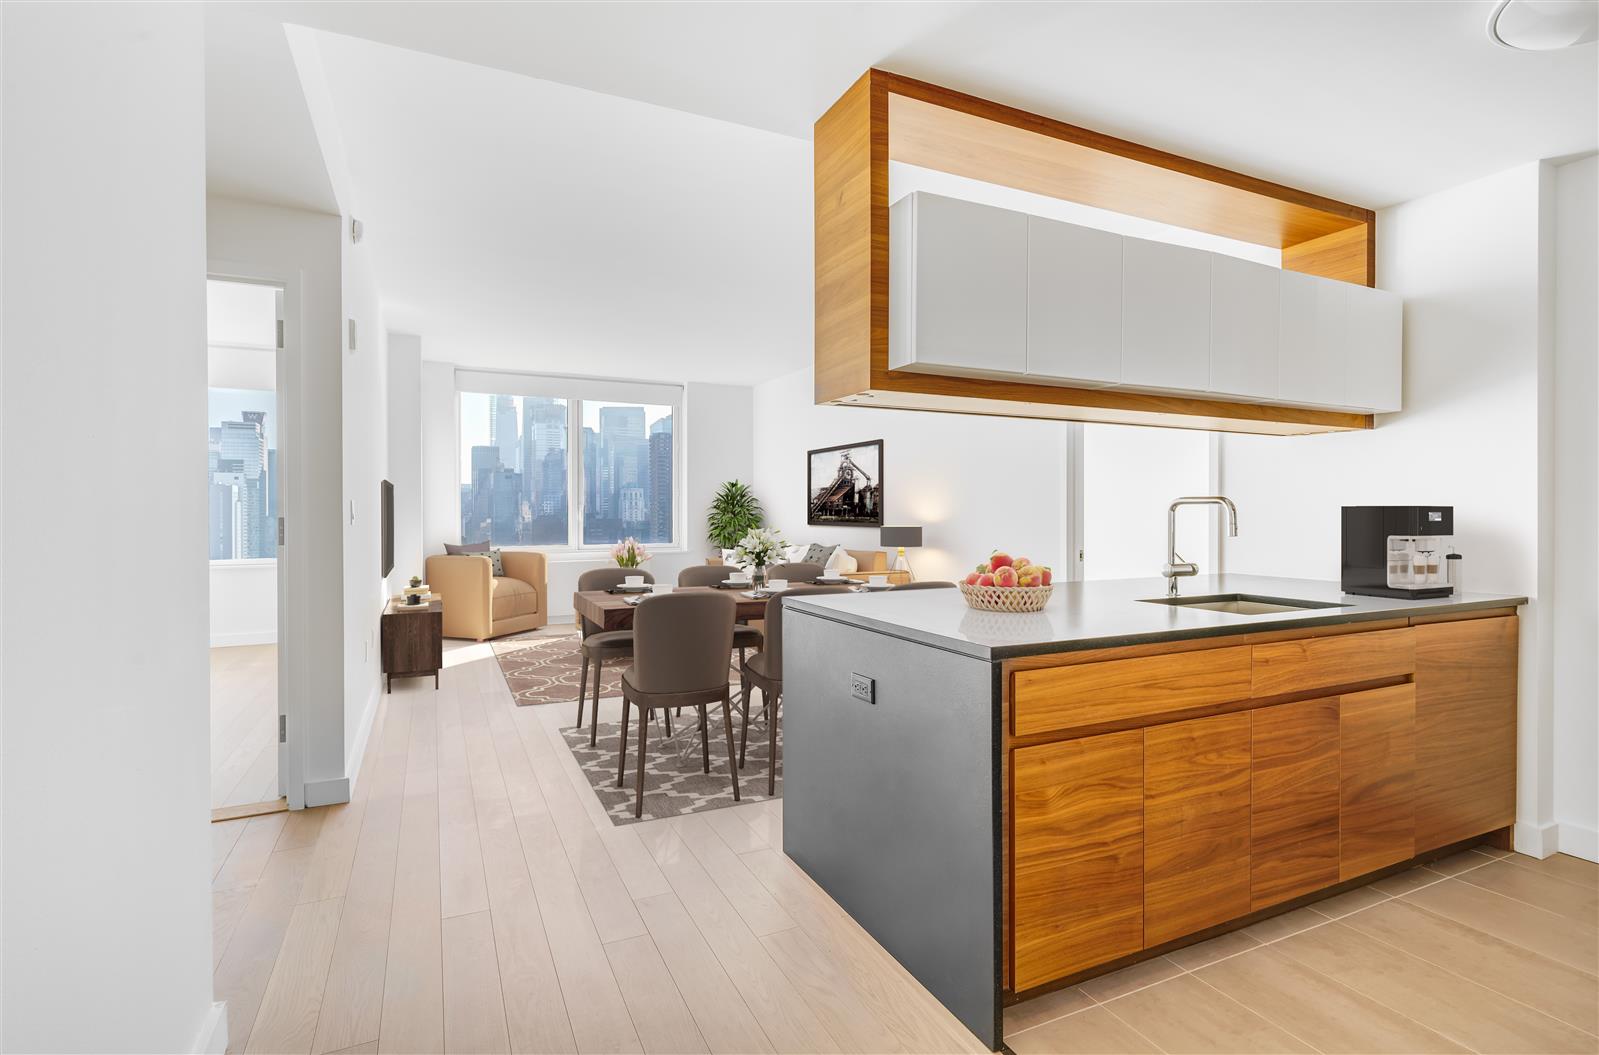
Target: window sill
254	562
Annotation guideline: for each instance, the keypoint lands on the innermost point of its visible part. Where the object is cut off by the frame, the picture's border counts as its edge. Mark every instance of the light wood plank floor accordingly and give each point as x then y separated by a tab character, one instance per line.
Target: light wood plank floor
244	717
475	898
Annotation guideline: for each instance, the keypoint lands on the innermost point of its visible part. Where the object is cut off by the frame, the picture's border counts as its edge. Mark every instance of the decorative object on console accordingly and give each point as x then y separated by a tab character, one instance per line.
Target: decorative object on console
844	485
416	580
734	512
898	538
758	548
1008	584
629	553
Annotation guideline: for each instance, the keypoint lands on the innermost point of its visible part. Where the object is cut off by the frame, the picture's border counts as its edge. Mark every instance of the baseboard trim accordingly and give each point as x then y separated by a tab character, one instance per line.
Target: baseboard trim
327	792
363	733
213	1036
1535	840
1577	841
258	637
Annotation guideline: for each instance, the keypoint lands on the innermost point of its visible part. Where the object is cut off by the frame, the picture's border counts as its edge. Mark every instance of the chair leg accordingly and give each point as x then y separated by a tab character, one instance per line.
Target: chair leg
705	738
582	691
727	727
594	715
643	733
771	758
744	727
621	765
666	716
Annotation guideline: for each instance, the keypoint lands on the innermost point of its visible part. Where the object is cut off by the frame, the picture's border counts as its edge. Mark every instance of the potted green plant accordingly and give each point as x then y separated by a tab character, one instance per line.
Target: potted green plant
734	513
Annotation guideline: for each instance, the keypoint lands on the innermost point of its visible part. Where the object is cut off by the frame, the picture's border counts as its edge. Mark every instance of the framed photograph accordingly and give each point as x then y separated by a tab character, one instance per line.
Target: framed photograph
844	485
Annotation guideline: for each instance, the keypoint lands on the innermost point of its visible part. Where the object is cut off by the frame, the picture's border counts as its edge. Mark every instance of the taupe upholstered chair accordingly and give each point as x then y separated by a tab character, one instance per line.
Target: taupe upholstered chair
764	671
796	572
931	584
680	647
599	644
744	637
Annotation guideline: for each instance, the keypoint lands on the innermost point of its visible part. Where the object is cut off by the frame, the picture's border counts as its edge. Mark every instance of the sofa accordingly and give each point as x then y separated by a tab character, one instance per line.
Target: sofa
868	562
479	604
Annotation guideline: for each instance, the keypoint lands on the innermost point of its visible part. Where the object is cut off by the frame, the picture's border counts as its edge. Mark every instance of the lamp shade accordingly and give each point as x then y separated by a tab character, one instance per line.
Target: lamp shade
901	536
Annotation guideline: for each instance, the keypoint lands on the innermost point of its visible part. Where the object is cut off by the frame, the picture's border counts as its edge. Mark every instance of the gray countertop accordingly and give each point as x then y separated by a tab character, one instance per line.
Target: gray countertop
1110	613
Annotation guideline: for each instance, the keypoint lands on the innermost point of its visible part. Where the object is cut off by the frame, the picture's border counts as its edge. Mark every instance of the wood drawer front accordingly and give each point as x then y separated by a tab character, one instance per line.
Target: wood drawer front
1377	782
1294	800
1078	846
1056	698
1284	667
1465	729
1196	825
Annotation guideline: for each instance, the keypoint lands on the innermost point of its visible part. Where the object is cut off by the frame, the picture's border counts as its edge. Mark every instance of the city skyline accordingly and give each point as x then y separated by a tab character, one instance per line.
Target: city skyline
241	474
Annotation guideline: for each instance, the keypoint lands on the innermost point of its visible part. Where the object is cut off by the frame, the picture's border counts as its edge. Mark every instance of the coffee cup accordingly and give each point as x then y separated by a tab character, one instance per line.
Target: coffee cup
877	580
738	575
776	584
633	580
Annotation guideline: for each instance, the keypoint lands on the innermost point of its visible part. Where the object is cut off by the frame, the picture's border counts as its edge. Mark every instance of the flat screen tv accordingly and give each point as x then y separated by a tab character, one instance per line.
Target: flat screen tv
386	524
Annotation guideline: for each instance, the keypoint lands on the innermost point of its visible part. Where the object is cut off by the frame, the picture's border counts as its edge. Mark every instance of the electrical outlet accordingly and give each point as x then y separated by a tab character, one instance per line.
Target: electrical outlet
863	688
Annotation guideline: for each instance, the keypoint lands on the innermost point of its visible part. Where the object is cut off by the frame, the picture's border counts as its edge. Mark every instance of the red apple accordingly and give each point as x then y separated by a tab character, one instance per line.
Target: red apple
1019	563
971	580
1048	575
985	580
1000	560
1005	576
1029	575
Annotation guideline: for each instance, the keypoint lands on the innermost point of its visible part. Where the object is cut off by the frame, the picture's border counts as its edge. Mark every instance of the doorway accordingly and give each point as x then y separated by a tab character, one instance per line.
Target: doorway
244	500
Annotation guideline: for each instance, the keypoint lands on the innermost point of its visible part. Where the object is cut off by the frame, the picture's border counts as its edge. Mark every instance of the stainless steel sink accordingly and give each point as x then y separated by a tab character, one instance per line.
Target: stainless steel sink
1244	603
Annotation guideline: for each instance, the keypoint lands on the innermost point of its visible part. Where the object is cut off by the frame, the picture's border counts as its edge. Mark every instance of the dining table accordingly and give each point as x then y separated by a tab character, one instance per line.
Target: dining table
614	611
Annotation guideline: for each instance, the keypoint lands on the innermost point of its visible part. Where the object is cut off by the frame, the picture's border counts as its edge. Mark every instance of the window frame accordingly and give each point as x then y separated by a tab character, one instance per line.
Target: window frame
576	391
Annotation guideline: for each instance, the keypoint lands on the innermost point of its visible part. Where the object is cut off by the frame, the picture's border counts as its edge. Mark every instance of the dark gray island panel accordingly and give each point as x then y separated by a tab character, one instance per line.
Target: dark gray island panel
893	806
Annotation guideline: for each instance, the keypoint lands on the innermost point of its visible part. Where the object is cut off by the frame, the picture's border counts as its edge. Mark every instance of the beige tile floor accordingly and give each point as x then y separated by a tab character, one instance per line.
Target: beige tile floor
1484	951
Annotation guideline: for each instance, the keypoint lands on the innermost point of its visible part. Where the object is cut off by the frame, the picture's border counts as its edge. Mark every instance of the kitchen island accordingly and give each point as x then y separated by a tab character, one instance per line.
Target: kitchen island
1013	802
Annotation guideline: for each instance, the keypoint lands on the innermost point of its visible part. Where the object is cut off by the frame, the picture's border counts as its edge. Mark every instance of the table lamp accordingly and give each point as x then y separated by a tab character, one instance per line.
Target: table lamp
899	538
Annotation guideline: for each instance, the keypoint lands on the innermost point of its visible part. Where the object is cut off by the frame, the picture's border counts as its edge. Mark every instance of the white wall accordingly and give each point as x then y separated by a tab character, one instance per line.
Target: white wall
1130	476
1575	623
716	432
107	914
366	454
974	484
1468	262
405	455
301	249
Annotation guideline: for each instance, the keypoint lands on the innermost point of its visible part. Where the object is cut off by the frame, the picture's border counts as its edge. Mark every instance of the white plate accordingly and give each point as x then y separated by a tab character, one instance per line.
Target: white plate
874	586
735	582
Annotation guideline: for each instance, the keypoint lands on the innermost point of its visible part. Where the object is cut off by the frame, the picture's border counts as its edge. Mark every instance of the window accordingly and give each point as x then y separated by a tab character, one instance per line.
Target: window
567	462
242	474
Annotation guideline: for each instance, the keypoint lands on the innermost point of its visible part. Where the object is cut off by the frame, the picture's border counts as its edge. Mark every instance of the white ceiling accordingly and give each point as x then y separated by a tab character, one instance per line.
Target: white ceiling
625	187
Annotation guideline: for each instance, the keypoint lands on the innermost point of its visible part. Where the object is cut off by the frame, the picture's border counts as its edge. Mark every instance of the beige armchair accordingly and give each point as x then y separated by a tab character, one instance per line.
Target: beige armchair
478	604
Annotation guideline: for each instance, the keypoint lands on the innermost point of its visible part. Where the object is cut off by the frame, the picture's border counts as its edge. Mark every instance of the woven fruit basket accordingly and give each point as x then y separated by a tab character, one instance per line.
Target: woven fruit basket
1006	598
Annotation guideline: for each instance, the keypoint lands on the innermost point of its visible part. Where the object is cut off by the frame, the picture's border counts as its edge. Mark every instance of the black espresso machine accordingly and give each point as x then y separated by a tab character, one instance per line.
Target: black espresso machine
1398	551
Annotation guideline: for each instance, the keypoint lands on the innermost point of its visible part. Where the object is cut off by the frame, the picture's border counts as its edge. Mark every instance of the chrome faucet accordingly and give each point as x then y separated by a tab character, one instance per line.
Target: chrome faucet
1177	568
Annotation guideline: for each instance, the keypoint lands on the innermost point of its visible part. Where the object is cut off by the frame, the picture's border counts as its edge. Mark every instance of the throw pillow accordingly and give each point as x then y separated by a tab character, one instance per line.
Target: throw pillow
847	563
835	560
494	559
471	547
816	553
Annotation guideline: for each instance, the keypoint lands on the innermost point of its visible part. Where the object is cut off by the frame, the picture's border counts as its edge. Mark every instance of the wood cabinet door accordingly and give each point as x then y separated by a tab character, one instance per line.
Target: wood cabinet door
1165	316
1077	846
1465	729
1244	304
1377	783
1196	825
1293	800
1074	303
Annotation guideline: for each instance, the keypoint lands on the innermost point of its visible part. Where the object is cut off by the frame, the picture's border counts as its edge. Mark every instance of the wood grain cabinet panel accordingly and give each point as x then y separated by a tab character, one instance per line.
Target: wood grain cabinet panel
1377	780
1055	698
1465	729
1078	891
1285	667
1196	825
1293	800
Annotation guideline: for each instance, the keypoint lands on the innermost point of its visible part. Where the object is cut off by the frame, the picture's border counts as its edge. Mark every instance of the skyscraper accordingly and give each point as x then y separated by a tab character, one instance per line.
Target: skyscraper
502	429
243	444
660	499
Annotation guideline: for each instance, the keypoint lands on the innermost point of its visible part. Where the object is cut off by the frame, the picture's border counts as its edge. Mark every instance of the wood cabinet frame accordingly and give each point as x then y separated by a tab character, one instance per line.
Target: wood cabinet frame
884	117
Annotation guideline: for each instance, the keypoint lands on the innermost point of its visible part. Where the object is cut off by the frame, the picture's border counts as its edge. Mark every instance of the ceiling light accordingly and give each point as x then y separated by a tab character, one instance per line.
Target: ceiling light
1544	25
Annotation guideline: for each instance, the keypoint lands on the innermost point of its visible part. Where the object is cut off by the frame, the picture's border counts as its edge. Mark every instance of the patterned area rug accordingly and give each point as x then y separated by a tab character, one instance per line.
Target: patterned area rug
545	667
671	786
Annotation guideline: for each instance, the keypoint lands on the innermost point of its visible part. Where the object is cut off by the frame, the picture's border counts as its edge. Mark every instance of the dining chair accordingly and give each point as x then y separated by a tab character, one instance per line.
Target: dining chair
680	646
745	637
600	644
931	584
764	671
799	571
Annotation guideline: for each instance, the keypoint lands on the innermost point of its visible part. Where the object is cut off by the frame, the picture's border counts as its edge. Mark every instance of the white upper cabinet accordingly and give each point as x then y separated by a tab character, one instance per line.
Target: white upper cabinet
1310	353
1165	316
1074	303
1373	338
1243	328
957	287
